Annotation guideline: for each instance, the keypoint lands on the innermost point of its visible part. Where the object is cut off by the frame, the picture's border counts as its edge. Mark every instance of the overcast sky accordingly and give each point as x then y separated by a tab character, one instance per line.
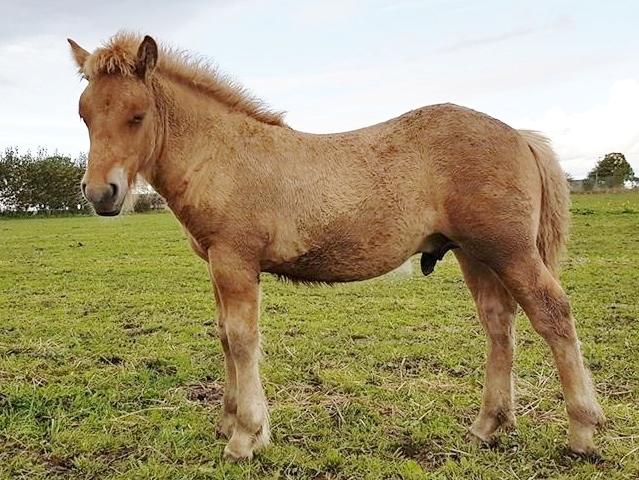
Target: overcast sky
567	68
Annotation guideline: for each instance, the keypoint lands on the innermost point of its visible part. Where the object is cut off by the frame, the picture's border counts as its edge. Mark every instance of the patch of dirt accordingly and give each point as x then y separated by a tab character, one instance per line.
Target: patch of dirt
276	308
110	360
405	367
136	330
314	381
358	336
161	367
293	332
32	352
120	453
59	464
428	456
411	367
208	393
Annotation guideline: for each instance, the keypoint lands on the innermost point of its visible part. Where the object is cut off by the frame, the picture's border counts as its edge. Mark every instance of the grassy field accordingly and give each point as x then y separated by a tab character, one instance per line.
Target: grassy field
109	369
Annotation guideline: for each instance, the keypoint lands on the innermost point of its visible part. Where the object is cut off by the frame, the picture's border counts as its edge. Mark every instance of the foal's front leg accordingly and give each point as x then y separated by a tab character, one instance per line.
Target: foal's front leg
227	422
238	293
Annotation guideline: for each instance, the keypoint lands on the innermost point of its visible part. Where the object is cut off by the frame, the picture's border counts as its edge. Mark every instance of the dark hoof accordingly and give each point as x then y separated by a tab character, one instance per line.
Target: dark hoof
483	442
590	455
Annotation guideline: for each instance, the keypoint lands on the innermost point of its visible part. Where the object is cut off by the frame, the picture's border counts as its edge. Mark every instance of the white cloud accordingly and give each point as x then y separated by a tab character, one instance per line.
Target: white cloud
39	98
581	137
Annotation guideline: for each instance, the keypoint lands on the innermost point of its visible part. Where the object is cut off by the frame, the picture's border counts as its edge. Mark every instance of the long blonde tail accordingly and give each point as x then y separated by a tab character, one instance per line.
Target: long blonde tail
555	201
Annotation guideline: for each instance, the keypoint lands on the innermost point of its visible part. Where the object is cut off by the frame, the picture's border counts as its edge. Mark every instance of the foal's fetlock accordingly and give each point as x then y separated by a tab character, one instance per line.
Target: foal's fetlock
580	441
240	447
485	428
479	439
243	445
226	426
580	435
583	422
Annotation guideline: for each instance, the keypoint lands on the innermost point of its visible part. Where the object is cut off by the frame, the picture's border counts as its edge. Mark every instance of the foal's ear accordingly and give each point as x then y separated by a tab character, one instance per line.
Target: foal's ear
80	55
147	57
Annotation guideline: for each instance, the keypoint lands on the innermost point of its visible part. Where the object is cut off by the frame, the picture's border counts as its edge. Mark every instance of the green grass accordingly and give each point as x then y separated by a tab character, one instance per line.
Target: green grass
108	368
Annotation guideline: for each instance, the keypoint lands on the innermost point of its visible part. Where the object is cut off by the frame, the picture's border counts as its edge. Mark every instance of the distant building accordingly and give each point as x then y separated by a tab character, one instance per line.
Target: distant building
576	185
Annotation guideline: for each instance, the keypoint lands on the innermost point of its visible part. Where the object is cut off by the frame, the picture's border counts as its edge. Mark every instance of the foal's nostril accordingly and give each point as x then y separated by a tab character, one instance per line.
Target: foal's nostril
101	193
114	189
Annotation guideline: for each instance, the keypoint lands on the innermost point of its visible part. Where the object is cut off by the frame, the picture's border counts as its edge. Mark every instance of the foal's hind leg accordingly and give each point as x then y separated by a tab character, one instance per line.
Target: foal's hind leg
496	308
547	306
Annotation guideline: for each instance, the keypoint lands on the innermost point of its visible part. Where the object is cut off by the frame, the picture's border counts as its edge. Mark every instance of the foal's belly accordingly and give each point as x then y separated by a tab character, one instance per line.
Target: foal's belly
321	267
345	259
381	236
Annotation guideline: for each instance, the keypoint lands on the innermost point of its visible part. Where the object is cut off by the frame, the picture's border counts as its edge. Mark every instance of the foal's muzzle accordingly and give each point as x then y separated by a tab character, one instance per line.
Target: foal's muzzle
106	198
106	194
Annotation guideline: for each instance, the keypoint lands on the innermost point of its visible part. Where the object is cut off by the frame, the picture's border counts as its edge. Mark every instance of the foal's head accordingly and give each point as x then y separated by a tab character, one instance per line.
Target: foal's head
118	108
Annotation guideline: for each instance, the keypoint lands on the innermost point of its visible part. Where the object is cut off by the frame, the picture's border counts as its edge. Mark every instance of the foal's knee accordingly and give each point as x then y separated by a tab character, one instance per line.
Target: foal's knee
243	341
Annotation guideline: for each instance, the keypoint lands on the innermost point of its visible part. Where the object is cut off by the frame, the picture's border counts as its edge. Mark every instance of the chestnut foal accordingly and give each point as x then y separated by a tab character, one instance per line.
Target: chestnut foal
255	196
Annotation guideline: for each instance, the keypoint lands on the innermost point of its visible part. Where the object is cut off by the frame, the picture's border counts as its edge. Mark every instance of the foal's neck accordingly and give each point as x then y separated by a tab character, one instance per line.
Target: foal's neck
202	141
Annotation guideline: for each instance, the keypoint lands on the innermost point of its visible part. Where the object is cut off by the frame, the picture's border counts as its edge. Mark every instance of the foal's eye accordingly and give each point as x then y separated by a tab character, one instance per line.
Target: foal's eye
135	119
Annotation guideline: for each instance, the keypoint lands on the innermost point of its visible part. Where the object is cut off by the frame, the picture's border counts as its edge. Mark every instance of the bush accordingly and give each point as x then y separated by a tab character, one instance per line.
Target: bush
146	202
40	183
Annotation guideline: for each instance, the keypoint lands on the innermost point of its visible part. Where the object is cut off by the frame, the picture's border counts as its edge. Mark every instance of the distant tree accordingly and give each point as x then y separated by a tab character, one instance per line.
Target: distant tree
611	171
7	172
56	183
39	182
12	178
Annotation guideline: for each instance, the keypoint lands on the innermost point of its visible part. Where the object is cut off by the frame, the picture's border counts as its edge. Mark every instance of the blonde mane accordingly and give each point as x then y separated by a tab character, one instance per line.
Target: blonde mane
119	54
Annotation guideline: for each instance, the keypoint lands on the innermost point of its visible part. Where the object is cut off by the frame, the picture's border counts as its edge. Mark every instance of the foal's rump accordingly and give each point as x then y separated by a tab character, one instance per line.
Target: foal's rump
504	194
482	185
